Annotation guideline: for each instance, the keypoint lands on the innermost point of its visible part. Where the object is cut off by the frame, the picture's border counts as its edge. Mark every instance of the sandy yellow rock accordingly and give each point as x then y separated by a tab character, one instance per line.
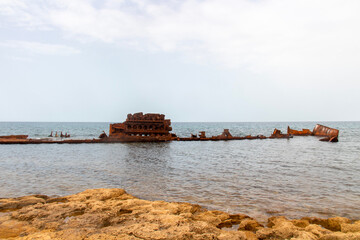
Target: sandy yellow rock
300	235
272	221
347	227
300	223
98	214
250	235
17	203
333	224
341	236
109	214
317	230
249	225
281	230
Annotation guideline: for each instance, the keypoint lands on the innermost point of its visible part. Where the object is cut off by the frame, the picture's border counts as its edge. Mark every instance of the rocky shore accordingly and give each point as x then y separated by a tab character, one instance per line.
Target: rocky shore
114	214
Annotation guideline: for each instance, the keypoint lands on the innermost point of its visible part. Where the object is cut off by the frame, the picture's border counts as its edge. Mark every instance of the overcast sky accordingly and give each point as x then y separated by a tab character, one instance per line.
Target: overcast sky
193	60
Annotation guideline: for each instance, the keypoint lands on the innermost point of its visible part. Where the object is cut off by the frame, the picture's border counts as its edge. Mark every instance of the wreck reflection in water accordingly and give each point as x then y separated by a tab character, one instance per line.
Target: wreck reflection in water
296	178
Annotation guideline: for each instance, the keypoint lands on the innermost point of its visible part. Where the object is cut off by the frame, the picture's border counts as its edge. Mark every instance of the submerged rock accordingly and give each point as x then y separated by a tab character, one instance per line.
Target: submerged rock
114	214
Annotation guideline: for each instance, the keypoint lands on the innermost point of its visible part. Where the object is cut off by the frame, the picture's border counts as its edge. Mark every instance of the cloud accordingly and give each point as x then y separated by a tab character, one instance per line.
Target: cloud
40	48
273	36
19	13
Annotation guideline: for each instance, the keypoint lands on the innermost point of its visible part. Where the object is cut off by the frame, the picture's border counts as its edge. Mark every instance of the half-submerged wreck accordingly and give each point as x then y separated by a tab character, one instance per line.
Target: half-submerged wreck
304	132
328	134
141	127
278	134
153	127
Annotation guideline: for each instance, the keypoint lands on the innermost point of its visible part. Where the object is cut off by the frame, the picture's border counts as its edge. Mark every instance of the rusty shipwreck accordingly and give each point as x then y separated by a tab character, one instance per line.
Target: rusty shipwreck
154	127
141	127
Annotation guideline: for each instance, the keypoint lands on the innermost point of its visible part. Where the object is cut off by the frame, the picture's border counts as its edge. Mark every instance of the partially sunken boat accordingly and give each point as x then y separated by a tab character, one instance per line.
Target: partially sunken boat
153	127
328	134
141	127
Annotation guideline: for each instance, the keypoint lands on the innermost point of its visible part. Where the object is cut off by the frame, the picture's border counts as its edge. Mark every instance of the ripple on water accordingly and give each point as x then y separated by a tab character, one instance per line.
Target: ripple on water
297	177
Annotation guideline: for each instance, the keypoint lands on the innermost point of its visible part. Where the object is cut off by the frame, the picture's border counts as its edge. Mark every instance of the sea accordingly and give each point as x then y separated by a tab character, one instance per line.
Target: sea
295	177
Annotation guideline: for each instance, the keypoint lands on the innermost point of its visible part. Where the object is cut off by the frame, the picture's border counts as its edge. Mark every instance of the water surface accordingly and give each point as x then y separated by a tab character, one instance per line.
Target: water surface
297	177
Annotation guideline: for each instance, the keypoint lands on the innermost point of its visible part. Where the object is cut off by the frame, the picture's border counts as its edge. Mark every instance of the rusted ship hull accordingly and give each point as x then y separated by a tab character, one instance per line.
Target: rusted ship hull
14	137
46	141
135	139
323	131
278	134
141	127
304	132
329	134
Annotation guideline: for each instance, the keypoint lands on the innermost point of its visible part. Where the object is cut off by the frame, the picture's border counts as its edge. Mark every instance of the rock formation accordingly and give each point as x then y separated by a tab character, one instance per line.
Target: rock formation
114	214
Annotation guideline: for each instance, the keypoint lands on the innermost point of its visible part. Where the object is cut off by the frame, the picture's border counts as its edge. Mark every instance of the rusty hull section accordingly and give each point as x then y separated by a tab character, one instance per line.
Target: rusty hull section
141	127
226	135
278	134
47	141
14	137
153	127
304	132
329	134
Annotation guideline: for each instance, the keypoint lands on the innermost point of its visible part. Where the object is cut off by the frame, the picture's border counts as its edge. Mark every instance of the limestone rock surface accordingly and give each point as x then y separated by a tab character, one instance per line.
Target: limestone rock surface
97	214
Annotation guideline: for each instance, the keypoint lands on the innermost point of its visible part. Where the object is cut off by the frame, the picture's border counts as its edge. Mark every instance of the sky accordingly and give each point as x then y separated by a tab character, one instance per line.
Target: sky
192	60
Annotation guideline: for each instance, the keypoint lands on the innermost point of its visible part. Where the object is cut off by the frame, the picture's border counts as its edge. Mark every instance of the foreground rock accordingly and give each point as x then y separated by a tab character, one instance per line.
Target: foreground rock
114	214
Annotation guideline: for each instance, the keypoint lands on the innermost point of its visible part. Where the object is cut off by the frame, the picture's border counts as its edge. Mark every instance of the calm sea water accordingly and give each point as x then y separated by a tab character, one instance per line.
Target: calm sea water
297	177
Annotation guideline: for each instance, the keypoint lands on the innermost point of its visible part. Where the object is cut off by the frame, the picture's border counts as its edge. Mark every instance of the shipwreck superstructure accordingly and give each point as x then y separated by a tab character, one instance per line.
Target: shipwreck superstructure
141	127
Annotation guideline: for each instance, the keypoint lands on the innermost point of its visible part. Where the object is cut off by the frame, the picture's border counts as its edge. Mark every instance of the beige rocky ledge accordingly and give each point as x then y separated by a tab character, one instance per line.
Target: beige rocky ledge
114	214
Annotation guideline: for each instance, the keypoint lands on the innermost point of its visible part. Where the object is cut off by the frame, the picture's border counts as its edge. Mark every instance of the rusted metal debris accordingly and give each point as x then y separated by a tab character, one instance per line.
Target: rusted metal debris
304	132
103	135
47	141
278	134
329	134
153	127
226	135
14	137
138	127
256	137
61	135
202	135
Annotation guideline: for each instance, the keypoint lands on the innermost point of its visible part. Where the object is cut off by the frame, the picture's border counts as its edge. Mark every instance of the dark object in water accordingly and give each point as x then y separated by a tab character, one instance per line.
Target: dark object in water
153	127
323	131
278	134
329	134
225	135
103	135
14	137
202	134
304	132
329	139
141	128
